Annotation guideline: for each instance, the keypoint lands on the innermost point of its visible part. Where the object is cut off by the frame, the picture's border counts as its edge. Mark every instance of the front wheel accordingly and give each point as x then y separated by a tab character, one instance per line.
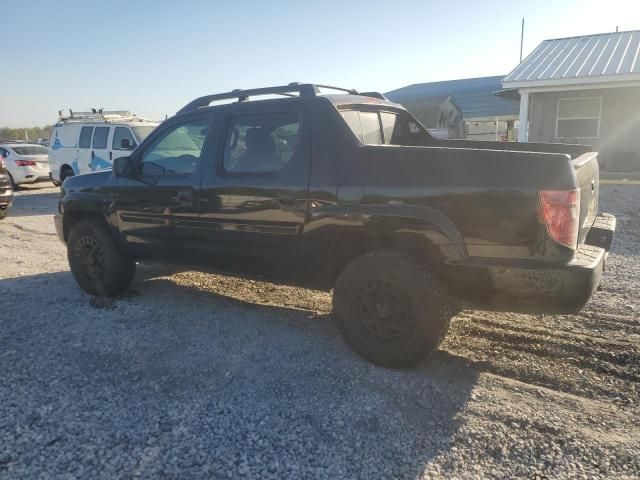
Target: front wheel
97	263
390	309
14	186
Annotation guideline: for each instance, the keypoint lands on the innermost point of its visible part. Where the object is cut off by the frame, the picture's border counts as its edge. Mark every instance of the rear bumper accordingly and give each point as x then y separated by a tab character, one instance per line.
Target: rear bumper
6	196
532	286
34	179
6	200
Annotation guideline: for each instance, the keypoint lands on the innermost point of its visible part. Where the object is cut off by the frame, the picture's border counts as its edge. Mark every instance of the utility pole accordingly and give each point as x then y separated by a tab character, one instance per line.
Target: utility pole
521	39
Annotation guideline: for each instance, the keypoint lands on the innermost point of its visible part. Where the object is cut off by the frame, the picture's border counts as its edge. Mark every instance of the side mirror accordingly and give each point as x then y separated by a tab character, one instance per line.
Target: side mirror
125	144
122	167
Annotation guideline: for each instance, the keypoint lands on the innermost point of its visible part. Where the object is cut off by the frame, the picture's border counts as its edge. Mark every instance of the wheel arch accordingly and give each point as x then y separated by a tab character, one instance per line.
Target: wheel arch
422	232
73	217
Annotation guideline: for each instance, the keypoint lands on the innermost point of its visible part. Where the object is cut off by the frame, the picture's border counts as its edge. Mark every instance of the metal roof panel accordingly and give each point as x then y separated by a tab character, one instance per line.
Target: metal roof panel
601	55
475	96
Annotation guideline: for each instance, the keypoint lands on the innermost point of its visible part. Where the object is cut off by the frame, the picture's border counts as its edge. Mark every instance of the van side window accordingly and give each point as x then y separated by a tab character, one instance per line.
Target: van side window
120	134
100	137
85	137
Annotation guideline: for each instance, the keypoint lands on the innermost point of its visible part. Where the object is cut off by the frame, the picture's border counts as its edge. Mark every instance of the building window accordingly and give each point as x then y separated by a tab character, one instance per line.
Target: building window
578	118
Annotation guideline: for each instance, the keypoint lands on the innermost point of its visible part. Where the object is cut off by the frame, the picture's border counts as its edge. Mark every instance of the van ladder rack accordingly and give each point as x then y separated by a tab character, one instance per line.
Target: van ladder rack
94	114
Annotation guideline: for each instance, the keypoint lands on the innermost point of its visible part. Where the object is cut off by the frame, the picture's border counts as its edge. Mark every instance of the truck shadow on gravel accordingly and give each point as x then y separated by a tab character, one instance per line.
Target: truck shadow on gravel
198	374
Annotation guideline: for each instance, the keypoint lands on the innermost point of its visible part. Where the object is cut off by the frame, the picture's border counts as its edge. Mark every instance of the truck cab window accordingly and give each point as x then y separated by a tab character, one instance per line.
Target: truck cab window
177	150
388	128
364	125
261	143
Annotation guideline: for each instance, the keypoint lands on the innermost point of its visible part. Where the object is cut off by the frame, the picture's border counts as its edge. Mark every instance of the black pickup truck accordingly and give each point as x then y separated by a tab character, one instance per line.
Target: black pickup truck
6	192
350	192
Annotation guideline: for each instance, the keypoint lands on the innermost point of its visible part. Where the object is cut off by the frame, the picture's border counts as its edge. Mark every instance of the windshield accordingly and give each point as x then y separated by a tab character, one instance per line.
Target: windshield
31	150
142	132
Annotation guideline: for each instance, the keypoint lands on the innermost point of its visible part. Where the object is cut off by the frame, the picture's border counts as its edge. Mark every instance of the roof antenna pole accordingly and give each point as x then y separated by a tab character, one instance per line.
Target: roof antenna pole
521	39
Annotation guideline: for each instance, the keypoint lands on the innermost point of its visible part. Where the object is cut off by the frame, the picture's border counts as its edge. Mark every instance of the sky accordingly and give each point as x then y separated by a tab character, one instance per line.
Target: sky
152	57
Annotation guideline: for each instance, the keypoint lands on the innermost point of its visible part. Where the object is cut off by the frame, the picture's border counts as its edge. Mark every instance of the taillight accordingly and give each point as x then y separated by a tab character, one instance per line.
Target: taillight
2	167
25	163
560	211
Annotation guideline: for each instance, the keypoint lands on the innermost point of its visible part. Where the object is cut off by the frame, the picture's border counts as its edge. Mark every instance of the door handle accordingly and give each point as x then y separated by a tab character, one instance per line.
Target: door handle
184	198
287	199
110	155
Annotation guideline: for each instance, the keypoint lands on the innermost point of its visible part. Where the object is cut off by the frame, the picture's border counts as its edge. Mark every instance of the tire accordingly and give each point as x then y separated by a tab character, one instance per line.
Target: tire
390	309
14	186
97	264
65	173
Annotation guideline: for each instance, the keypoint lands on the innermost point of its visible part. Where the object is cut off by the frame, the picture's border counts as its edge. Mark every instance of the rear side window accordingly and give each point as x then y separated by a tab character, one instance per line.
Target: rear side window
120	134
261	143
371	131
388	121
100	137
384	128
85	137
371	128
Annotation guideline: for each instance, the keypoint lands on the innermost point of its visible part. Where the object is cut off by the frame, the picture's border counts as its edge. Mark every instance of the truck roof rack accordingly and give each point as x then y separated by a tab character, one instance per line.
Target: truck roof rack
301	89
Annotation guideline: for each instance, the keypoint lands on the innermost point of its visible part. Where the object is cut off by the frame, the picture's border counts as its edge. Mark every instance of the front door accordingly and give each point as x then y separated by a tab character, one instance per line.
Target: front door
122	143
82	162
157	207
253	204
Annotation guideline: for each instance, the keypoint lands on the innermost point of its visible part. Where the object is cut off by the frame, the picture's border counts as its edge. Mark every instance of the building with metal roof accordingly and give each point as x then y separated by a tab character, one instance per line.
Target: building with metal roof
583	90
604	57
481	108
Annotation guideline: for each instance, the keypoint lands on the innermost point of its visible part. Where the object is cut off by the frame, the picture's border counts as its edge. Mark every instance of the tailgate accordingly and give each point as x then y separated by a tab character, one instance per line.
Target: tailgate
588	179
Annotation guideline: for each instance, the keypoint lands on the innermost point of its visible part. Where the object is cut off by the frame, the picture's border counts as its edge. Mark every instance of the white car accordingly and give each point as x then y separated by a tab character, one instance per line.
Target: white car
86	142
26	163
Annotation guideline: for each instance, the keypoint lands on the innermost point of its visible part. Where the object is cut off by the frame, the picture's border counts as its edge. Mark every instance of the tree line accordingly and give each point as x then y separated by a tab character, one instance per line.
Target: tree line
32	133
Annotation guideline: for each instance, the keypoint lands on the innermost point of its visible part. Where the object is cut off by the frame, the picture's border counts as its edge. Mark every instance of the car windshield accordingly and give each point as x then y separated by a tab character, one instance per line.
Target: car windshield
142	132
30	150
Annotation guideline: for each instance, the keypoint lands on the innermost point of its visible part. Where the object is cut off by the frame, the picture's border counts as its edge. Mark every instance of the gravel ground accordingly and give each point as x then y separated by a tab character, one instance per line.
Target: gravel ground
195	375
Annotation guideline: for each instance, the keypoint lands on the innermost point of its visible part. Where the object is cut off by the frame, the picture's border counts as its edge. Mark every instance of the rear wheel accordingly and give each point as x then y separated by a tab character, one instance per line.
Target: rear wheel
97	263
65	173
391	310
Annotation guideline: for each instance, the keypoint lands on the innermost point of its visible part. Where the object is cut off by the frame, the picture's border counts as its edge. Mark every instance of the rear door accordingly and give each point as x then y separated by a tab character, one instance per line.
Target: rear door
253	203
100	149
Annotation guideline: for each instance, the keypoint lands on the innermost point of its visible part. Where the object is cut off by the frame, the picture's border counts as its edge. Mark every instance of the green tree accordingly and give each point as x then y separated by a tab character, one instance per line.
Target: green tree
8	134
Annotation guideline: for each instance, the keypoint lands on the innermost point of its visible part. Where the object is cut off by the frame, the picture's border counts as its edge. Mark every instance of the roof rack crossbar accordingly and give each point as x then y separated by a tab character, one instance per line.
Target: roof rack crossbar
303	89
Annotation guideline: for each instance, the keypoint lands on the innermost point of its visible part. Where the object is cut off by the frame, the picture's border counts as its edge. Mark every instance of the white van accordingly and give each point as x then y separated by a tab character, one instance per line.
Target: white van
87	142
